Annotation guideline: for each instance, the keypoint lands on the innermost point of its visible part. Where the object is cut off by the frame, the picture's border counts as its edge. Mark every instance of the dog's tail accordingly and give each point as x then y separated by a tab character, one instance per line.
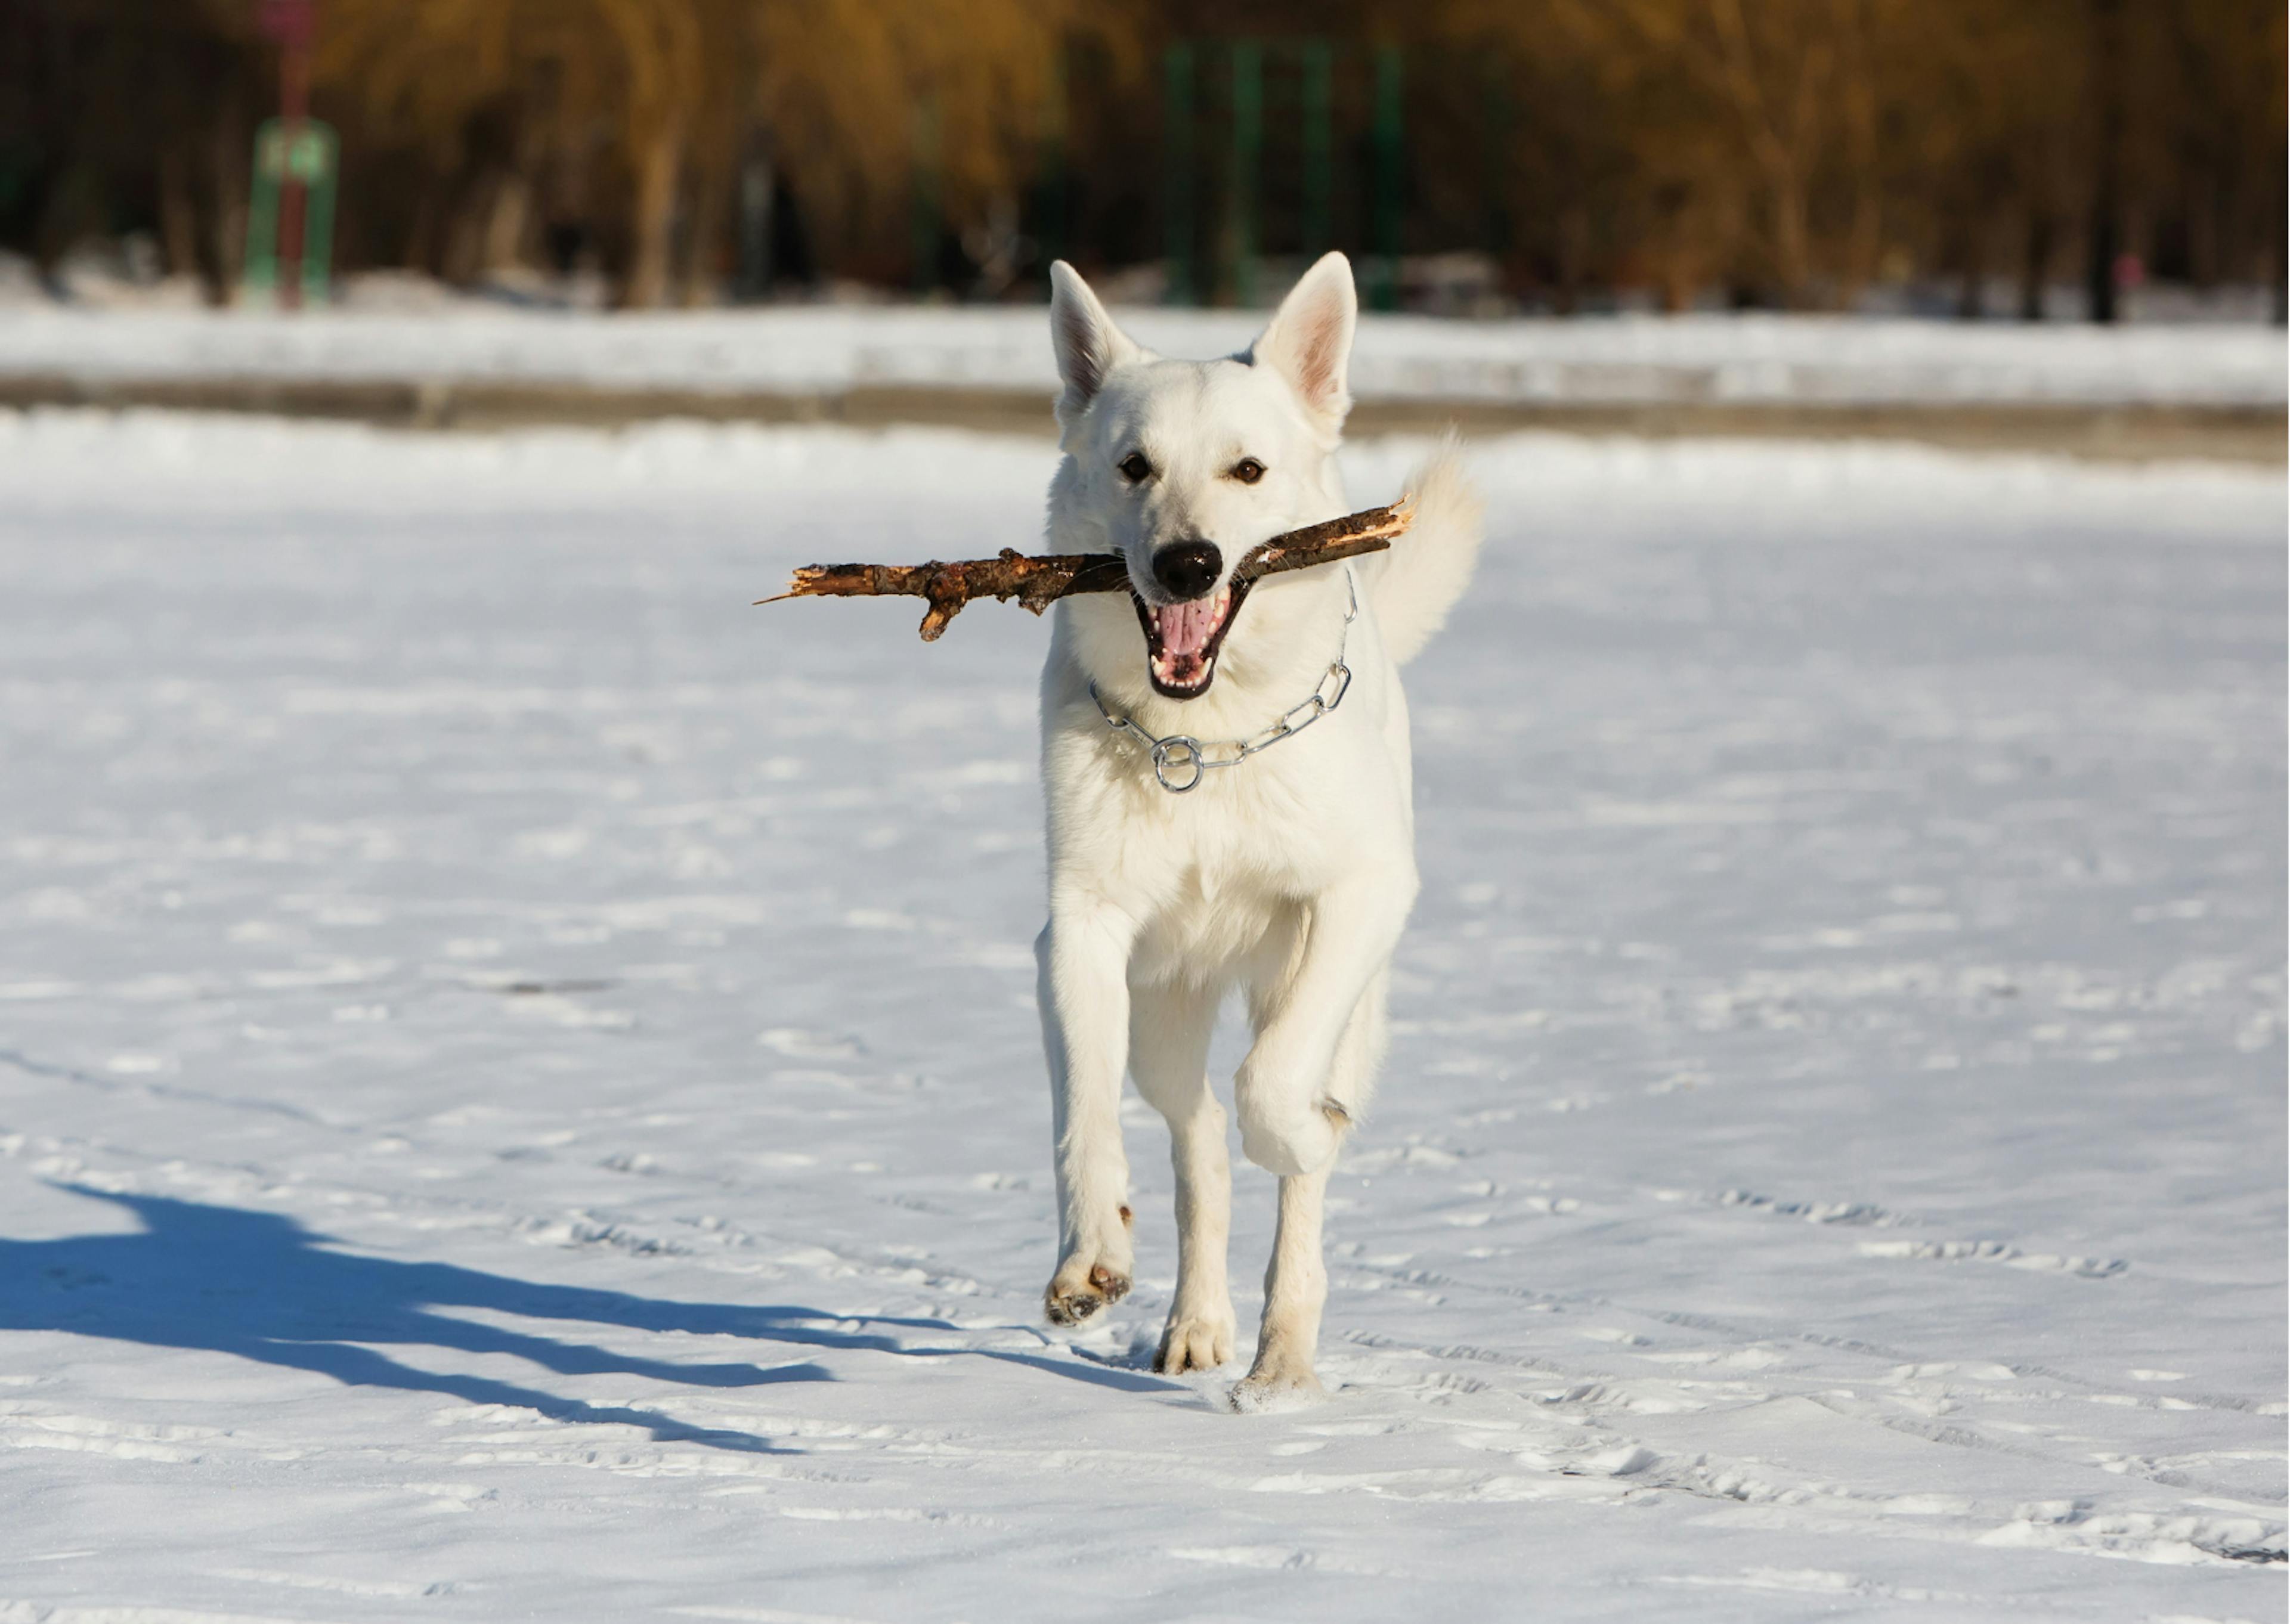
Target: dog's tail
1428	568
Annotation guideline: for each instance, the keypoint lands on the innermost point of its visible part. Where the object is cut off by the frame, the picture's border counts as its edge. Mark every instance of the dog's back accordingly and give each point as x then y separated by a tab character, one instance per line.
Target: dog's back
1417	582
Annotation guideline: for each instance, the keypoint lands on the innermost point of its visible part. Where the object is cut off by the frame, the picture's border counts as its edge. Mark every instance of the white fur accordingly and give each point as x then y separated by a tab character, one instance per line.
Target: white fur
1288	877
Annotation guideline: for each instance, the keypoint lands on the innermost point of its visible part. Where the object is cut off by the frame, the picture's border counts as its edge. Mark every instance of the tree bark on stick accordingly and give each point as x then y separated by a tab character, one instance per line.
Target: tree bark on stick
1037	582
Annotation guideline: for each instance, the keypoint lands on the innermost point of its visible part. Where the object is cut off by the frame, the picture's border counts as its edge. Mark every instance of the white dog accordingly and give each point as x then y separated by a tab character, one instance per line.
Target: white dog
1288	874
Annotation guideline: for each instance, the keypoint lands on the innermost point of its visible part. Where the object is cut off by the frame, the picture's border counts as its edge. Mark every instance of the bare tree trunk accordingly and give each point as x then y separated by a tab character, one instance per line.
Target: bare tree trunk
2035	264
2105	242
233	158
1777	151
1865	236
1793	241
700	282
657	171
178	219
2279	272
423	249
508	220
2279	294
2199	188
1573	256
463	258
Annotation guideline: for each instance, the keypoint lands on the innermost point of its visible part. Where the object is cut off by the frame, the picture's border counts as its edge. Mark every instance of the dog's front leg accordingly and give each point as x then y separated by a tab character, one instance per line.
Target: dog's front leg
1082	954
1290	1122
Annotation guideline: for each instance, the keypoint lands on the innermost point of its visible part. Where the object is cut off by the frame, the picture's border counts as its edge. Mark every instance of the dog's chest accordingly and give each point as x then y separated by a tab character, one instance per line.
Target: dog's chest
1207	875
1214	901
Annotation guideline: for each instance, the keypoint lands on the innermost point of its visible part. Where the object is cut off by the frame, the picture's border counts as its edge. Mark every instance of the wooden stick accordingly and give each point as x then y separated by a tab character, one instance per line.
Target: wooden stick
1037	582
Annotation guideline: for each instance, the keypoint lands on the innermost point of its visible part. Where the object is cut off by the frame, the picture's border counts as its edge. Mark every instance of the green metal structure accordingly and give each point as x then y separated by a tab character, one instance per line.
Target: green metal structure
1278	97
1177	180
1317	112
1247	163
926	224
289	219
1390	176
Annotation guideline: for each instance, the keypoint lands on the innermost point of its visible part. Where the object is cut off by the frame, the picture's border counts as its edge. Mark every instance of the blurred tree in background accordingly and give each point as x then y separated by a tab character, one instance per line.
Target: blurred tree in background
1554	153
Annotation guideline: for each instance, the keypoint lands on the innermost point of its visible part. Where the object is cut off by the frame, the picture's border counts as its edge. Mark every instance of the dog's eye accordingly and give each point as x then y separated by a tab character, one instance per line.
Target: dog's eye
1134	467
1248	470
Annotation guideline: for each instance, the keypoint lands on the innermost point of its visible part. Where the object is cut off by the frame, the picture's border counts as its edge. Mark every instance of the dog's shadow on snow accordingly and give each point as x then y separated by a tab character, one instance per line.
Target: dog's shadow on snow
262	1286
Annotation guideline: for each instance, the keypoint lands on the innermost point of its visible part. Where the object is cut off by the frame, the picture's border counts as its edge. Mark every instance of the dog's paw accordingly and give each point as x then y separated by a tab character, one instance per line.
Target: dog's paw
1263	1392
1281	1379
1194	1343
1081	1287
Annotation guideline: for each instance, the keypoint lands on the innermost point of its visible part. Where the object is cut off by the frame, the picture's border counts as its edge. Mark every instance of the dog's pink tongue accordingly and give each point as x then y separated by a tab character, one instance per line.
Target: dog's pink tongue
1185	628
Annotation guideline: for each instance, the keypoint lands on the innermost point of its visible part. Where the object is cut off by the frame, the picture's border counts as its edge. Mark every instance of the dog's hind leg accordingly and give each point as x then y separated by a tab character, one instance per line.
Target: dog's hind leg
1169	1029
1296	1291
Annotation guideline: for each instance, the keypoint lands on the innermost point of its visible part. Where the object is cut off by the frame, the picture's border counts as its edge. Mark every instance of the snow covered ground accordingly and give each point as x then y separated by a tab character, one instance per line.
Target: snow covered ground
1746	359
519	1095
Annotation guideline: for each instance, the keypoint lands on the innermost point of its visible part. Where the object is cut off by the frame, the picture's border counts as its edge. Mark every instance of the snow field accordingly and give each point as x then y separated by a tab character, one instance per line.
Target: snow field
1743	359
519	1096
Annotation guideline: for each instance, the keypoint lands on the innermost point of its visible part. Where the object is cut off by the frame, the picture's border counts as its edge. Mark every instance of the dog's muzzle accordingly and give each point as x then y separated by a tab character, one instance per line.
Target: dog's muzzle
1187	568
1183	637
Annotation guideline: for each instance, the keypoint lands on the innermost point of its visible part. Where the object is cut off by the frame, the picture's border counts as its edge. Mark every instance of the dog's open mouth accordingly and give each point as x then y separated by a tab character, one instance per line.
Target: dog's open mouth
1182	640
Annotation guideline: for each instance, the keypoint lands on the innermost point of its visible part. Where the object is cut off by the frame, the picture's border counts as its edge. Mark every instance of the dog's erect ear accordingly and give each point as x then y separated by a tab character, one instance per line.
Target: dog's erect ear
1089	346
1309	340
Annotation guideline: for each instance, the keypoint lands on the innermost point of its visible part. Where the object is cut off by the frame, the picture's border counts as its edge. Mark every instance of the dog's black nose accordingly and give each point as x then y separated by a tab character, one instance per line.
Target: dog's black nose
1188	569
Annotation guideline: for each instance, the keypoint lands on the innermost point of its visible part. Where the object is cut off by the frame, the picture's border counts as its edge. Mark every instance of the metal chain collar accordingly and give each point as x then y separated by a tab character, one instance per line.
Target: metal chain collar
1186	755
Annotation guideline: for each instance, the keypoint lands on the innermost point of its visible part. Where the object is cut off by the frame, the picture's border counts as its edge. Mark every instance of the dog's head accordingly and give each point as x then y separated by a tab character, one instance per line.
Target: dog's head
1183	466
